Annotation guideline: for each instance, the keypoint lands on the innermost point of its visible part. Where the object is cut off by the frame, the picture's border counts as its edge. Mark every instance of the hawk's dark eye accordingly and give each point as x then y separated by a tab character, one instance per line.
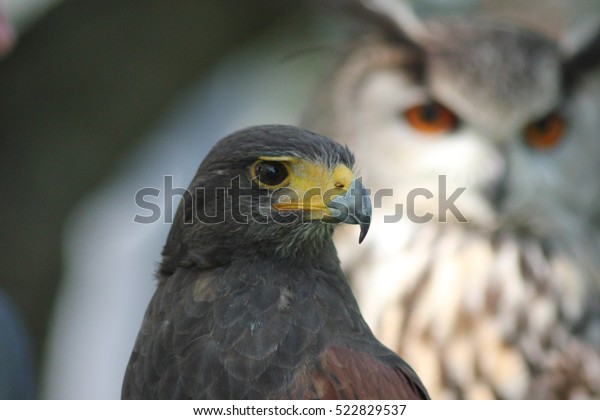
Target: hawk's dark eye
270	174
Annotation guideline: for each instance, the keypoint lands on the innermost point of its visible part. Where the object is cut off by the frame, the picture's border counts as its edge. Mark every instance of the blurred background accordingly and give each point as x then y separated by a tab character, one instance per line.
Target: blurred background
100	98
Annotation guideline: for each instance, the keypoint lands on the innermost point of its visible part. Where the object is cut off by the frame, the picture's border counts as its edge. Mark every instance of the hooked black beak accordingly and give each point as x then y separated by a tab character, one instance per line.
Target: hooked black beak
353	208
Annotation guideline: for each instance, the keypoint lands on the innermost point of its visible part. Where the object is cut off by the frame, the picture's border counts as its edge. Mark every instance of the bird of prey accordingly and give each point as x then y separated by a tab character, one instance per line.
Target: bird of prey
502	298
251	302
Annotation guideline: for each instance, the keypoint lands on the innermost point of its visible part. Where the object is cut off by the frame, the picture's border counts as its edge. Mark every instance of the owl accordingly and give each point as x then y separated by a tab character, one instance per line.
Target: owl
481	140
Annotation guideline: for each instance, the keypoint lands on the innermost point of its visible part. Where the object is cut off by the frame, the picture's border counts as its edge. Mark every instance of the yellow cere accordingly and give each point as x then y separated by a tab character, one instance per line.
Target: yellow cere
314	184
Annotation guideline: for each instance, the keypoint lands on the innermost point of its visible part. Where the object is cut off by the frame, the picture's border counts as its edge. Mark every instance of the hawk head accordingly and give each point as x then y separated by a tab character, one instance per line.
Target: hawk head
267	189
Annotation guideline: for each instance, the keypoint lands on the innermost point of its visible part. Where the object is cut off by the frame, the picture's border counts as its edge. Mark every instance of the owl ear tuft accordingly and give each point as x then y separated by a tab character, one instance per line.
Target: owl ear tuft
582	54
396	19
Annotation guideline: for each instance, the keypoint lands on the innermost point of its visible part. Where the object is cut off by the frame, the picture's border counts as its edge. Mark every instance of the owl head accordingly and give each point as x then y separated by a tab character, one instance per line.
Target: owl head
505	117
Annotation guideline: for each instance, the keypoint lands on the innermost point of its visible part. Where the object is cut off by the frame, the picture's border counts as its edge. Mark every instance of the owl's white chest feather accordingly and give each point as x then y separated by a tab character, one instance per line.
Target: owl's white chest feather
477	316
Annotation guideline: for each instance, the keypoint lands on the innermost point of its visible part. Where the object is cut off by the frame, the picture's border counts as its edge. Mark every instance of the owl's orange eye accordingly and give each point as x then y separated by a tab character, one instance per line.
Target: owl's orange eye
545	133
431	118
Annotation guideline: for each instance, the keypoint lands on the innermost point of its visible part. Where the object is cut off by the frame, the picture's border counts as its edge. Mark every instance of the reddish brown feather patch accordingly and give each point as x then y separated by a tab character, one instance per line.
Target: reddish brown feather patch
350	374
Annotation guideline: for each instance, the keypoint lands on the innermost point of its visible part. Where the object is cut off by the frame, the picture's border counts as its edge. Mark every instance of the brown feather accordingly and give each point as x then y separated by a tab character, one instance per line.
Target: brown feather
351	374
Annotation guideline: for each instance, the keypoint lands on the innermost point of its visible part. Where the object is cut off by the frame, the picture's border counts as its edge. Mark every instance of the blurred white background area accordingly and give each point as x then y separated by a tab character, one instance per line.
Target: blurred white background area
23	13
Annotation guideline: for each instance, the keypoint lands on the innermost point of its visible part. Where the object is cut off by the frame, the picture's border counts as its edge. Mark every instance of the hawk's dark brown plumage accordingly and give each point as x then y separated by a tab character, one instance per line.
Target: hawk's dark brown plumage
258	310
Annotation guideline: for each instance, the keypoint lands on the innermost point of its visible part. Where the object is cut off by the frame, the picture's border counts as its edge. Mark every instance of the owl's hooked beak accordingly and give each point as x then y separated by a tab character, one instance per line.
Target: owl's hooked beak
353	208
497	192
